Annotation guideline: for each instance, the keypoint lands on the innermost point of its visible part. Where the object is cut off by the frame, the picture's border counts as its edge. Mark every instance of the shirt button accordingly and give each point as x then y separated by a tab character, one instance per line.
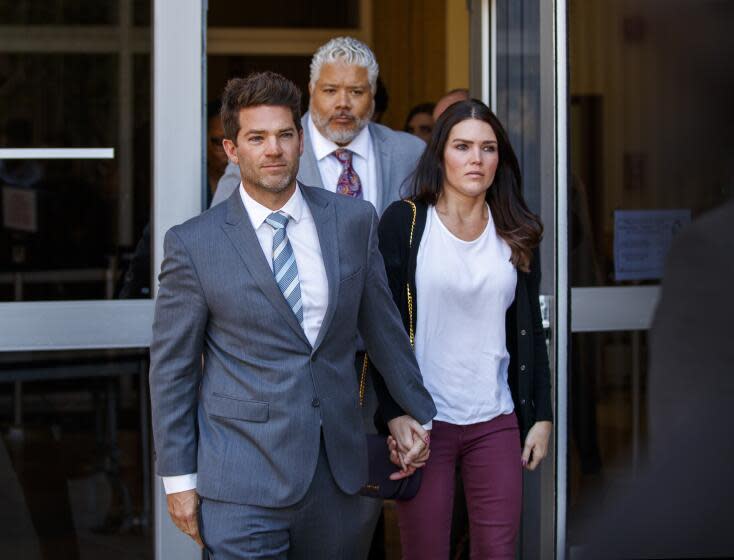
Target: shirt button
523	332
315	403
522	367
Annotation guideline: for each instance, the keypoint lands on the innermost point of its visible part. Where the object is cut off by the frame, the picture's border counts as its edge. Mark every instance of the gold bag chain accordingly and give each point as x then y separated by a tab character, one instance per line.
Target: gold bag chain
365	361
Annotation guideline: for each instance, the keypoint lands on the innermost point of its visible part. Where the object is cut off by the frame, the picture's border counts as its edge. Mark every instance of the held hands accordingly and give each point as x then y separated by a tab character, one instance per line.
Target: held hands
183	508
536	444
408	445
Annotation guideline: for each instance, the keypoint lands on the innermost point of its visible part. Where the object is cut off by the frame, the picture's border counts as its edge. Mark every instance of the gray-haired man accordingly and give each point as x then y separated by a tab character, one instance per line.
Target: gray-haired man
342	87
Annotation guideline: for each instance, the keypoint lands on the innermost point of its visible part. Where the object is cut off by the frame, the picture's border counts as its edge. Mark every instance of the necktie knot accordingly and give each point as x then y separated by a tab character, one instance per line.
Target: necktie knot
277	220
343	155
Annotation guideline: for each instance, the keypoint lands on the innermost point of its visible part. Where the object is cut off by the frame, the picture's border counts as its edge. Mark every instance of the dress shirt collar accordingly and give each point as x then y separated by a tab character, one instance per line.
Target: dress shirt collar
323	147
258	213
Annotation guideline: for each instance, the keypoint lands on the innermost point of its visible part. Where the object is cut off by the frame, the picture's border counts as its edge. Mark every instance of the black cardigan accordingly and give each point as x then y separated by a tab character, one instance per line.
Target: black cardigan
529	372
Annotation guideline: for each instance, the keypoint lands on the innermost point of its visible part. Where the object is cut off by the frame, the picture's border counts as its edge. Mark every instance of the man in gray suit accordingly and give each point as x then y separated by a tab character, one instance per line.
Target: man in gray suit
254	399
345	152
342	87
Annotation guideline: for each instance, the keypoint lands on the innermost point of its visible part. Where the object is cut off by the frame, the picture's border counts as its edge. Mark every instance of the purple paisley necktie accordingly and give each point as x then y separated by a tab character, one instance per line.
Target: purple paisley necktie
348	182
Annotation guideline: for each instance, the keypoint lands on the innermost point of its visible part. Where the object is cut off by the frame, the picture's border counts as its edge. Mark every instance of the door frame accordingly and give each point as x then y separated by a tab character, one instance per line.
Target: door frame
177	194
178	172
544	502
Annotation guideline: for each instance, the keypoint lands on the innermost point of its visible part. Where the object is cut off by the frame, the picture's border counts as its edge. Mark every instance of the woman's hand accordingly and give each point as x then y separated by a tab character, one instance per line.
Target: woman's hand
536	444
412	440
398	461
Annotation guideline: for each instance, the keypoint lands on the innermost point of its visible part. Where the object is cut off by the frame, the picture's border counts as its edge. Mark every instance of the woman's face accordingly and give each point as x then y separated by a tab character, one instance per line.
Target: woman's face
470	158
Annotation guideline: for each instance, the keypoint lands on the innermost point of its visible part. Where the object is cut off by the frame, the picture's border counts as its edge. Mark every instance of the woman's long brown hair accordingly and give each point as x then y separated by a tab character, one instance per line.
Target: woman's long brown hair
513	221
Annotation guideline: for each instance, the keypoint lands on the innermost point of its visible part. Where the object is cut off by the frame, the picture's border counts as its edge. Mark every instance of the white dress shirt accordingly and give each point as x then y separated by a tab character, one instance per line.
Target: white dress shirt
363	161
304	239
464	289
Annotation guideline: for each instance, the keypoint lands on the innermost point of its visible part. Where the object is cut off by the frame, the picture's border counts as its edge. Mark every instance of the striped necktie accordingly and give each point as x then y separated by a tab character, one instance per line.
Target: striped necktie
285	269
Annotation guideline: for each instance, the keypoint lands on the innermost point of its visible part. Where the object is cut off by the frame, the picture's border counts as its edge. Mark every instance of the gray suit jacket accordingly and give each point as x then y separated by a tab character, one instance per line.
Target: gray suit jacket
396	153
248	418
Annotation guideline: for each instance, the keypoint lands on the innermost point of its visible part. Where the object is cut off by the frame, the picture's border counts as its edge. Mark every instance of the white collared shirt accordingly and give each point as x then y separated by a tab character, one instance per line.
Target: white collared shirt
304	239
363	161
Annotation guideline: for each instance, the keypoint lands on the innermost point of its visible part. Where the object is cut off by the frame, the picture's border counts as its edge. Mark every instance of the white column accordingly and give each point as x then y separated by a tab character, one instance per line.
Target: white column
178	43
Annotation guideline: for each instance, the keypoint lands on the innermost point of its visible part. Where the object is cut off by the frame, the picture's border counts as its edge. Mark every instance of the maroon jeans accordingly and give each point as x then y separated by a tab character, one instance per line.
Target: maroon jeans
489	454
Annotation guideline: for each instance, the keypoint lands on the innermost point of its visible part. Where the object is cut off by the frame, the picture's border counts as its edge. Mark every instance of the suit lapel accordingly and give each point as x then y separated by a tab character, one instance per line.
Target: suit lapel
324	216
308	170
380	147
240	231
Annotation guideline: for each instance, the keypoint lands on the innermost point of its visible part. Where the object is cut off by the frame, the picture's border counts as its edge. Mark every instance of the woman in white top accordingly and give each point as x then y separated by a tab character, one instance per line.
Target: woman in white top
462	264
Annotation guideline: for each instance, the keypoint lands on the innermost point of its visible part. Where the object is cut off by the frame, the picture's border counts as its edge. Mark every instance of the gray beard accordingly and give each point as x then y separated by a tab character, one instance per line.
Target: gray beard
341	136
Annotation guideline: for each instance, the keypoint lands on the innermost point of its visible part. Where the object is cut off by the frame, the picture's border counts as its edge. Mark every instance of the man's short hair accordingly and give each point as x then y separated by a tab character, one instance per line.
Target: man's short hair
258	88
349	51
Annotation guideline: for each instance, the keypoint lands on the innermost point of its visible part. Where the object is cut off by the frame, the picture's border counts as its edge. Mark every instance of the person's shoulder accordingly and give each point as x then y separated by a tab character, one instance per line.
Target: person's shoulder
197	226
401	143
704	247
714	226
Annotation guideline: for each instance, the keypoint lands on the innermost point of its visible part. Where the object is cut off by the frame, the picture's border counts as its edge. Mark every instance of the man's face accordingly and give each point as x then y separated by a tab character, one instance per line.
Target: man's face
216	157
267	149
341	101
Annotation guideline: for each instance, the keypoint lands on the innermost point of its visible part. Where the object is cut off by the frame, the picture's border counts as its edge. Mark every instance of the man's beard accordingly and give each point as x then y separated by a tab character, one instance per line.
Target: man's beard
276	184
341	135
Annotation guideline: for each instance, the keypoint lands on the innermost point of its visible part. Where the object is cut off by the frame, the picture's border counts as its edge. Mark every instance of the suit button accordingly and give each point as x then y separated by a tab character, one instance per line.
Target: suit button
523	332
522	401
522	367
315	403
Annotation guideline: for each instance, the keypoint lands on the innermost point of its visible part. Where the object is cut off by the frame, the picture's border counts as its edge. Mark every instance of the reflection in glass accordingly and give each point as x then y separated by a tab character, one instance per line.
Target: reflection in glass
650	115
74	455
518	79
607	419
69	228
650	148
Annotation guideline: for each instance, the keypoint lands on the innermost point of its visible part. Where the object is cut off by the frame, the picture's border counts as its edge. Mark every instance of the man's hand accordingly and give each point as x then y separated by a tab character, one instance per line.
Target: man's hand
412	440
396	459
536	444
183	508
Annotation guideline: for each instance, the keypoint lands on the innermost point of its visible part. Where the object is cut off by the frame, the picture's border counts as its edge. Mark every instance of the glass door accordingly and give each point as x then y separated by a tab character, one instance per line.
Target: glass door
650	151
75	271
513	49
100	153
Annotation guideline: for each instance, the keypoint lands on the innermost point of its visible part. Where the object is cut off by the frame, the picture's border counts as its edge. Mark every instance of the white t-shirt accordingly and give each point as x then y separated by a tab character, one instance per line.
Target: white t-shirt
463	290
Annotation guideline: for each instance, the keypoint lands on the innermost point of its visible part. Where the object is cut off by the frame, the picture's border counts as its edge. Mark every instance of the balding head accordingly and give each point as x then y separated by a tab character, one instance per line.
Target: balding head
459	94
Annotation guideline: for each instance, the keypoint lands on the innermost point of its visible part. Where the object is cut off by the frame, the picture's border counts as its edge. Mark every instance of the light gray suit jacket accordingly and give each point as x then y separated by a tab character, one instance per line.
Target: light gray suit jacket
396	154
248	418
